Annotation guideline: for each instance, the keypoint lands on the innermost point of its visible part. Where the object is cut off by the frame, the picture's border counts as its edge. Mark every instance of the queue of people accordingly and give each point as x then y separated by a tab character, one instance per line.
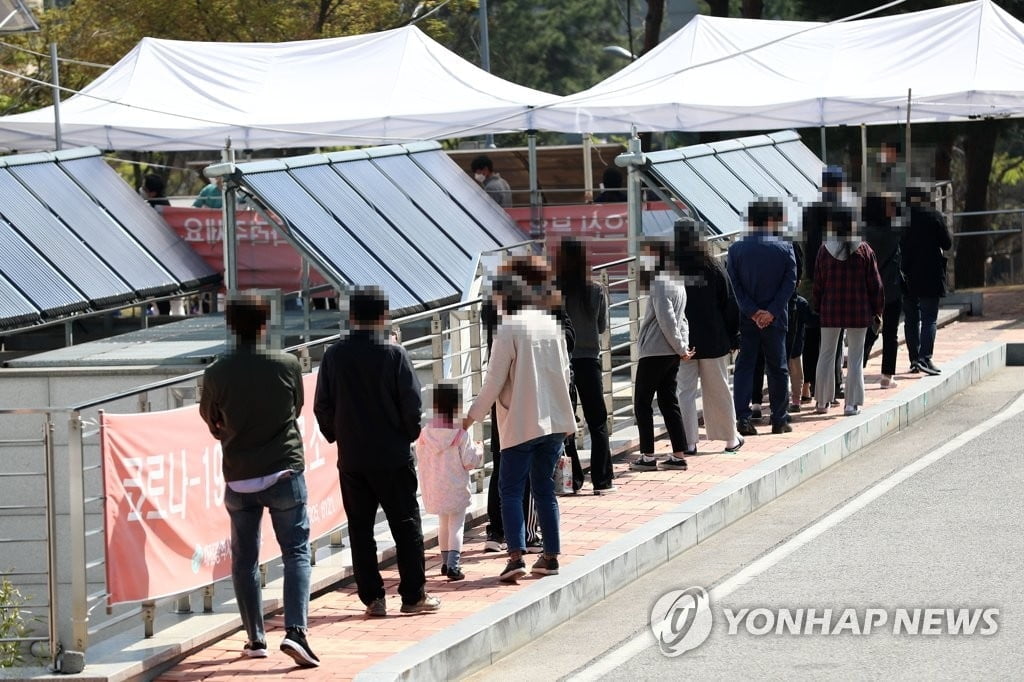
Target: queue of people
543	329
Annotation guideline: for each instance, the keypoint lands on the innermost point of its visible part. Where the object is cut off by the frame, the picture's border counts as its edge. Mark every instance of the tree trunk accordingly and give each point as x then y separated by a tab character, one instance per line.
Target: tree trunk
752	9
652	36
719	8
944	157
971	251
652	25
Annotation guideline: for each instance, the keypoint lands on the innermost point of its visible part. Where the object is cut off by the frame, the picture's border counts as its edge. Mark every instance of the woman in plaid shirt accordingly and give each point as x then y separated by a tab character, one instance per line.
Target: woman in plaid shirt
847	294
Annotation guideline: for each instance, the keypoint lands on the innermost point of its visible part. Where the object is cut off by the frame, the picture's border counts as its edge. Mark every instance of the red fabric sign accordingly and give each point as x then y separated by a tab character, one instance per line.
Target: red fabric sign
167	531
265	259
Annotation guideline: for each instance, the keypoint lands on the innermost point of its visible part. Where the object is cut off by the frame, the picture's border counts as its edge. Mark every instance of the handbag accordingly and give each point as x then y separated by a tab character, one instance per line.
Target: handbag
563	476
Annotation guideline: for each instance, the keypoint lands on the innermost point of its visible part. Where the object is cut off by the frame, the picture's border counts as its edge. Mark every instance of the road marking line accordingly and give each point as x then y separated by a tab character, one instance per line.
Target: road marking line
616	657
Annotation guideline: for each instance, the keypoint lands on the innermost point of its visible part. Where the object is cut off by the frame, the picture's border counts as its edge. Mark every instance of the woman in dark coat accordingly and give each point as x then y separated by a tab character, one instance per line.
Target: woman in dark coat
883	236
714	319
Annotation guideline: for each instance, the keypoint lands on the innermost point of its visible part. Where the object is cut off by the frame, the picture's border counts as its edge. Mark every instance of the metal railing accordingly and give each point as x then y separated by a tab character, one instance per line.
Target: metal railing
445	343
1004	259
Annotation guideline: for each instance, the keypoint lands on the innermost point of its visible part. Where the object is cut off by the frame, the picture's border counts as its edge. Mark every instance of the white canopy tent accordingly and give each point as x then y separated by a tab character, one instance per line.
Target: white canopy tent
959	62
379	88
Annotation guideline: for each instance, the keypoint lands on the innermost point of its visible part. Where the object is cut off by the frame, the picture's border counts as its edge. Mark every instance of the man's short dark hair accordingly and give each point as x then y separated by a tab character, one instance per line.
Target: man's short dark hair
481	162
764	211
246	316
367	305
155	184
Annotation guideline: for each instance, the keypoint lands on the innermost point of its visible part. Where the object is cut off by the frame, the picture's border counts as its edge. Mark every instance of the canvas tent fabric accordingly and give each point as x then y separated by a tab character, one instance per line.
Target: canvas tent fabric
960	62
74	237
378	88
405	218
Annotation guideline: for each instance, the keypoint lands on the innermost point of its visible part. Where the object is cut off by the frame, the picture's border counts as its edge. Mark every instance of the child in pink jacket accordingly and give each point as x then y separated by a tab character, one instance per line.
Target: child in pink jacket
444	456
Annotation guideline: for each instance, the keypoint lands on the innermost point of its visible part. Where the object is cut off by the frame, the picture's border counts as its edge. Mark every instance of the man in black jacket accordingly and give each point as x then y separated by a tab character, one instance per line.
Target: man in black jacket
924	268
368	400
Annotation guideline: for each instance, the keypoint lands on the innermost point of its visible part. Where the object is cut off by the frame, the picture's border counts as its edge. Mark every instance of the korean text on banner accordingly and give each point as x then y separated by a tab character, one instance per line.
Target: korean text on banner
167	531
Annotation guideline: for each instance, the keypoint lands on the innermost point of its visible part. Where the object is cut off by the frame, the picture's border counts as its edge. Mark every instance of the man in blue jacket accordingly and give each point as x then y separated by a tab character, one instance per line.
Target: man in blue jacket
368	401
762	267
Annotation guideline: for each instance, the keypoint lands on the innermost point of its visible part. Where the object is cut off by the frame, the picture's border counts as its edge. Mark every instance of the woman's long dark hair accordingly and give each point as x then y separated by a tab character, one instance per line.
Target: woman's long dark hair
692	254
662	250
572	273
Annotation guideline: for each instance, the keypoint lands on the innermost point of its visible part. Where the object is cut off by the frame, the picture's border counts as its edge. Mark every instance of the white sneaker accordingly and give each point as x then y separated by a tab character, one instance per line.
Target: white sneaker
887	382
851	410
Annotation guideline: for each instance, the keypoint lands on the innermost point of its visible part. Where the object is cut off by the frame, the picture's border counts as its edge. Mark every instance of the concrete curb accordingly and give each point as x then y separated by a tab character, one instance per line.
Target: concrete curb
490	634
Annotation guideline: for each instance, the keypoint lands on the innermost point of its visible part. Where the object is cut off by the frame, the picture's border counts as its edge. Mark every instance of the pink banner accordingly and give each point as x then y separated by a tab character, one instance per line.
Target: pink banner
167	531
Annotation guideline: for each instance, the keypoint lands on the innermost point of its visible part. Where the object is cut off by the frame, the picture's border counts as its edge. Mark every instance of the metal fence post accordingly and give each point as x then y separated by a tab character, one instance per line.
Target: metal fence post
436	348
51	541
76	529
476	378
605	353
634	318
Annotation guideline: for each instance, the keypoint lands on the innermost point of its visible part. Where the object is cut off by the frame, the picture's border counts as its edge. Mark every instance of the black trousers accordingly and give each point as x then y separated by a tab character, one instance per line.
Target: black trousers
657	375
495	526
587	372
394	490
890	344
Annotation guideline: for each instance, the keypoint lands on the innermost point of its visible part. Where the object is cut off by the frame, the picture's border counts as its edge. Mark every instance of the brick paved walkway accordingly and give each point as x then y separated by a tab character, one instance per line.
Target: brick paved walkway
348	643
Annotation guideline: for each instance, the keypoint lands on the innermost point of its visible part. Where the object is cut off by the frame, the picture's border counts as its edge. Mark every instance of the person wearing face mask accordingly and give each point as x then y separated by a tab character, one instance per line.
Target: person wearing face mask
528	379
663	340
713	318
493	183
847	294
762	268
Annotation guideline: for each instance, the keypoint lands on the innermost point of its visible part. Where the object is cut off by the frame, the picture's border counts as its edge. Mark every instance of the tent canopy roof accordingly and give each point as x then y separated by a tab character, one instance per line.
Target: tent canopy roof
962	61
392	86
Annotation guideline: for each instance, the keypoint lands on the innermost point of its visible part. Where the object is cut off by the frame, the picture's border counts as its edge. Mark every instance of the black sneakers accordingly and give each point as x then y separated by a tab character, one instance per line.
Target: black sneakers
781	428
255	649
514	570
928	367
296	646
494	543
746	428
545	565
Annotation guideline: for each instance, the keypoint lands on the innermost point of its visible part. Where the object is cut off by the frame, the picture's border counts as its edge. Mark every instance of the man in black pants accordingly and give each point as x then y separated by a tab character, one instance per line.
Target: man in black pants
368	400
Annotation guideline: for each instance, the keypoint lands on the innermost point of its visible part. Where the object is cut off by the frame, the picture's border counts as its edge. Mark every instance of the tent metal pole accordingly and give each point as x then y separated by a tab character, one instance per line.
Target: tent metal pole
58	141
632	160
230	227
907	155
824	147
863	158
485	55
588	168
536	231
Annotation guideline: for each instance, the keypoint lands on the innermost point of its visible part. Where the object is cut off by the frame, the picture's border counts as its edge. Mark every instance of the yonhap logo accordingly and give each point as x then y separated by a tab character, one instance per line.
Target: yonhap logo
681	620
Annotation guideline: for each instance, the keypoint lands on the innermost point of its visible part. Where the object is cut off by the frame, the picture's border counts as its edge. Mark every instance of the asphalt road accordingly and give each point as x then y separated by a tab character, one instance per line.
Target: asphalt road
929	518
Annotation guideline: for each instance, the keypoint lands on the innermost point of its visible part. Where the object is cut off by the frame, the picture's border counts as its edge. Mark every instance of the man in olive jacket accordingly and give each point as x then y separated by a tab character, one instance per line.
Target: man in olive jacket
251	400
368	401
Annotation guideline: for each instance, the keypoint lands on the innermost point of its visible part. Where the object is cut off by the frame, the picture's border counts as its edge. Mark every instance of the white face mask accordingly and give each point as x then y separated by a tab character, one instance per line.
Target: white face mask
479	177
647	263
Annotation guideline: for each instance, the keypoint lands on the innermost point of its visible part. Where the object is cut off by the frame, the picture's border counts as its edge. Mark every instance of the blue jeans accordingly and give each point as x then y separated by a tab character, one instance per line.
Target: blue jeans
535	459
286	501
919	315
772	340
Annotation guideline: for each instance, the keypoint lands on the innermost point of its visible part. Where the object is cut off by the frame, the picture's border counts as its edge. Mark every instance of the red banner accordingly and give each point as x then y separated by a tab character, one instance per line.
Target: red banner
265	259
167	531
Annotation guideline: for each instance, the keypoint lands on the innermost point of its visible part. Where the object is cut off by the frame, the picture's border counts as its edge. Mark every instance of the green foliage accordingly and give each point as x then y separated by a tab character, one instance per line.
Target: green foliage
555	47
12	623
